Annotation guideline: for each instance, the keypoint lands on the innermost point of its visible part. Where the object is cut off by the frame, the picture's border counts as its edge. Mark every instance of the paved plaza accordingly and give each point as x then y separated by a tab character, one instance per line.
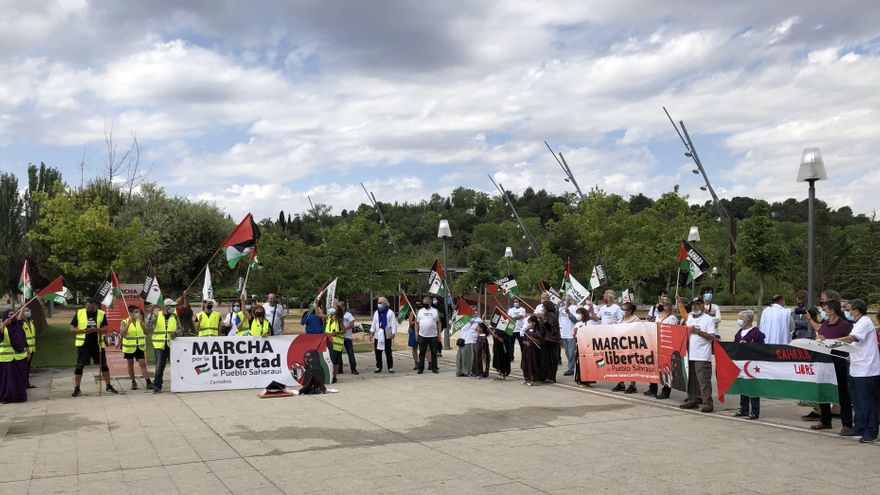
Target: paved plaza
409	433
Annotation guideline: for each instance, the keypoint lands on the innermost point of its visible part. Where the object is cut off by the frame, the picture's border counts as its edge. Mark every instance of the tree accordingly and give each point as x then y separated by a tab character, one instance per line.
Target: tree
760	246
11	228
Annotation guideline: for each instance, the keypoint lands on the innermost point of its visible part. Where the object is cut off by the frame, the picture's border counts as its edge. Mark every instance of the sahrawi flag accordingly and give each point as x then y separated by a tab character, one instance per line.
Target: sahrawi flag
405	309
242	241
500	321
109	290
692	262
436	284
554	296
24	282
331	294
56	292
779	371
506	286
598	277
150	292
207	287
571	287
463	315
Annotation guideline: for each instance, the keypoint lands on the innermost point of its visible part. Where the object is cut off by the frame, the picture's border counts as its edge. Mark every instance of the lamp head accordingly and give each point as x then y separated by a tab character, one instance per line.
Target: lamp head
508	252
694	234
812	166
443	229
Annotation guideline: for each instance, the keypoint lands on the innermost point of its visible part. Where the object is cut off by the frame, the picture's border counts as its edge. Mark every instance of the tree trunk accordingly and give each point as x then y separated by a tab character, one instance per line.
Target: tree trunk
760	292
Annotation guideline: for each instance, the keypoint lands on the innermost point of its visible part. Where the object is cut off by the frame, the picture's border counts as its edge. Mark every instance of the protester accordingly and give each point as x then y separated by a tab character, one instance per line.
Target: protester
30	333
13	358
427	329
835	326
444	326
584	320
260	326
384	328
185	315
275	314
748	333
825	296
480	368
500	356
163	332
86	324
531	360
134	345
552	341
208	320
567	319
665	316
466	343
629	316
609	313
702	333
313	319
777	322
864	372
518	315
412	342
662	301
708	295
237	321
802	328
349	321
333	329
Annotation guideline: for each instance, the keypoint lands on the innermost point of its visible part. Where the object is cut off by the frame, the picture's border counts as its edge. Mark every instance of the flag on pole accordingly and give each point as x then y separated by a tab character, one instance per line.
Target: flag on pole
779	371
109	290
207	287
150	292
331	294
505	286
554	295
24	282
242	241
626	296
692	261
571	286
598	277
436	280
56	292
255	263
405	309
500	321
462	316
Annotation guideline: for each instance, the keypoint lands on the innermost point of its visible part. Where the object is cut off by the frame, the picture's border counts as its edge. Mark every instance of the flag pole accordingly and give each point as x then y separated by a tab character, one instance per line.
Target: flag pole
244	284
203	269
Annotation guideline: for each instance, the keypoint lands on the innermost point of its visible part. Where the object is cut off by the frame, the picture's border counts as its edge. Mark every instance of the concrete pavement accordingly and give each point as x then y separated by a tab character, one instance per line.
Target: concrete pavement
408	433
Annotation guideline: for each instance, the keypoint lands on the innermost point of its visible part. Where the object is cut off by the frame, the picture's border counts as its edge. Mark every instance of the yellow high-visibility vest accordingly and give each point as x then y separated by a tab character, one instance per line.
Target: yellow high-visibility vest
164	329
31	334
134	337
81	320
209	324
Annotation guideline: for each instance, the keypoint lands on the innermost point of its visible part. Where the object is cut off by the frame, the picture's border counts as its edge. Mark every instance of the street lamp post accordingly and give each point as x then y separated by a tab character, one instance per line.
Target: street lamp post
812	169
444	232
714	279
508	254
694	237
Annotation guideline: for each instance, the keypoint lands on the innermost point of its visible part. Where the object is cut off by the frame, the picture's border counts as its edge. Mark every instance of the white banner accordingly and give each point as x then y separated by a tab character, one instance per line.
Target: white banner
232	363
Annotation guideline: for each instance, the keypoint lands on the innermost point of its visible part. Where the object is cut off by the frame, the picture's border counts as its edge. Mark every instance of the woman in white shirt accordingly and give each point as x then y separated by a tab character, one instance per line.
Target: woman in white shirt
584	321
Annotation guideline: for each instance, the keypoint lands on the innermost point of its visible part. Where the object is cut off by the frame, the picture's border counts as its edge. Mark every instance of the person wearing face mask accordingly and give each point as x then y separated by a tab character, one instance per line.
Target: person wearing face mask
702	333
237	321
518	315
749	407
835	326
89	325
260	326
708	294
435	303
531	362
30	333
777	322
665	316
349	322
383	329
467	342
134	345
584	321
208	320
334	329
13	358
662	301
165	330
802	328
275	313
412	341
427	329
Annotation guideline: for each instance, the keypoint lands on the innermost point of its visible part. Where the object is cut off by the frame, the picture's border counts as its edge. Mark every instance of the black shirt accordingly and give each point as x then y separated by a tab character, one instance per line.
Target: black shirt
91	322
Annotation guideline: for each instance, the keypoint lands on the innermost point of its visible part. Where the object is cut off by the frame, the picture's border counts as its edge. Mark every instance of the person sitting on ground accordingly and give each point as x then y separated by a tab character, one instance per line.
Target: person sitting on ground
749	407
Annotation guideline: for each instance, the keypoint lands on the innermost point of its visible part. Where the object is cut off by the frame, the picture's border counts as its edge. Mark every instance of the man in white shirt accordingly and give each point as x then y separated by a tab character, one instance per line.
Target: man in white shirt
609	313
518	315
275	314
709	308
465	357
567	314
427	329
864	372
349	321
702	331
777	324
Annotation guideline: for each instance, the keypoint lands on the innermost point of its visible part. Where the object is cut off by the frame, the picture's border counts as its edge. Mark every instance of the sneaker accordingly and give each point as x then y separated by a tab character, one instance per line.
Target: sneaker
111	389
706	409
391	371
650	392
688	405
419	372
867	440
663	396
355	372
630	390
378	370
436	371
568	373
134	385
850	433
620	387
811	417
76	392
334	380
820	426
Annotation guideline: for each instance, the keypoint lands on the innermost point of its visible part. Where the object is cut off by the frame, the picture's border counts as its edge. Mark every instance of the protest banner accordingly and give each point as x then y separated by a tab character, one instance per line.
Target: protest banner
613	353
672	343
233	363
831	347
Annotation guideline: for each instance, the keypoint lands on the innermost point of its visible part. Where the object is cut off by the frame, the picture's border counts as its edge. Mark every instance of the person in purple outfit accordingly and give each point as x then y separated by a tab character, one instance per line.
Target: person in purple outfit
13	359
748	333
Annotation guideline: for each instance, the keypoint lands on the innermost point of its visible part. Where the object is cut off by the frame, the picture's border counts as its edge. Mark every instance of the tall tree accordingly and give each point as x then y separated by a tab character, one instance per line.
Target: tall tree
11	229
760	245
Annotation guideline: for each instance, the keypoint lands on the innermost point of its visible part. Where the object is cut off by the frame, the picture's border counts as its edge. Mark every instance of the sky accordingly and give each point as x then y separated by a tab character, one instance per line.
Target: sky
258	105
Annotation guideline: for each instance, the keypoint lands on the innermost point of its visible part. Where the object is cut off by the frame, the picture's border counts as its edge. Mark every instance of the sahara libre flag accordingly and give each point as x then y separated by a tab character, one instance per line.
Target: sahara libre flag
463	315
405	309
150	292
506	286
691	261
436	284
109	290
571	286
598	277
779	371
500	321
242	241
56	292
24	282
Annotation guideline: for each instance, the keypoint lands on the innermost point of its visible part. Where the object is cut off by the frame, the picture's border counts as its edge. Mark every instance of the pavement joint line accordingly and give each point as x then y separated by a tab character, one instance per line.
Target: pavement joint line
671	407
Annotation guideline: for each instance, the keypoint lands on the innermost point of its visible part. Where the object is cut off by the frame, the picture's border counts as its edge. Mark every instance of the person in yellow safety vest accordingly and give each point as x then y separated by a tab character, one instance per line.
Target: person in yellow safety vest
336	330
30	334
163	333
13	359
260	326
89	325
237	321
134	345
208	320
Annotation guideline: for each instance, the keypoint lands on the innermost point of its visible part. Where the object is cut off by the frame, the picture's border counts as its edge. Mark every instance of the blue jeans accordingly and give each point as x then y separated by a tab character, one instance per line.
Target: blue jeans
162	358
570	352
862	392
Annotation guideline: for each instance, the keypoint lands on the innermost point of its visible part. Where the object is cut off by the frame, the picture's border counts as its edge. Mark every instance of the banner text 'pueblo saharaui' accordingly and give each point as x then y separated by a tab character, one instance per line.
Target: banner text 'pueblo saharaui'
231	363
625	352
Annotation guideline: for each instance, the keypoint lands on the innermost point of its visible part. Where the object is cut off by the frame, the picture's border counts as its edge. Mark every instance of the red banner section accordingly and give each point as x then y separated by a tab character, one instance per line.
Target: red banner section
619	353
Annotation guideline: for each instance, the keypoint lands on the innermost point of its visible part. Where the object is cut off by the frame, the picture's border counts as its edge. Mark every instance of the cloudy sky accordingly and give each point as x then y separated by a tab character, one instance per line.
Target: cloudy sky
255	105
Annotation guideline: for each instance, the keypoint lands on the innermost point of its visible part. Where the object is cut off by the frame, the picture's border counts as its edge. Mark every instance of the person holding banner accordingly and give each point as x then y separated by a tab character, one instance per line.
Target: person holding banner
702	333
384	328
584	320
237	321
208	320
164	331
748	333
13	358
530	363
334	329
86	325
260	326
665	315
134	345
836	326
629	316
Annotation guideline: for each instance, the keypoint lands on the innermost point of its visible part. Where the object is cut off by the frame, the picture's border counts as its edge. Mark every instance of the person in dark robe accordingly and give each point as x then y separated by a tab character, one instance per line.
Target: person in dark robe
552	342
13	359
313	377
533	339
480	368
501	354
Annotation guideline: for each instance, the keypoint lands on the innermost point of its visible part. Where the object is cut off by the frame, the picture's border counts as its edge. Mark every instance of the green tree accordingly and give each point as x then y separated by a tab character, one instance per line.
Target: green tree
760	246
11	228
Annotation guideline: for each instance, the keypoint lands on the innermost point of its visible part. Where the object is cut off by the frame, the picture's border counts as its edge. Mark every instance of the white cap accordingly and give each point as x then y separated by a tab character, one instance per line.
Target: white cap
170	302
209	301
